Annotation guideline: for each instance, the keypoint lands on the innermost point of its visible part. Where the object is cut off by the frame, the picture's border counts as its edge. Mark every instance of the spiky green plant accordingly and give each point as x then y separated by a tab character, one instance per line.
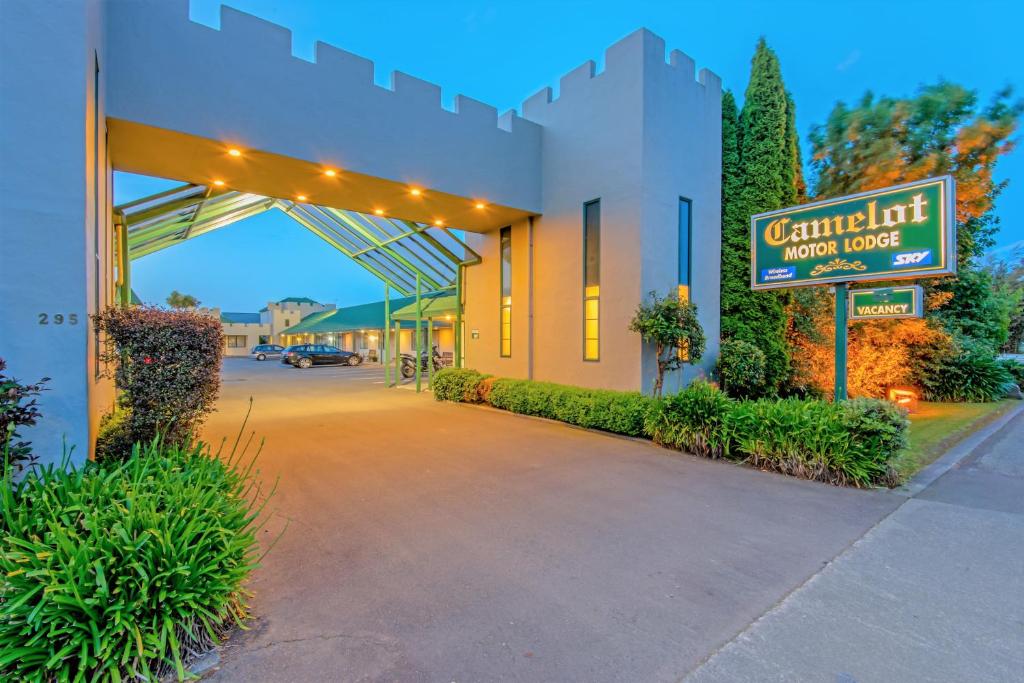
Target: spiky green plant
124	570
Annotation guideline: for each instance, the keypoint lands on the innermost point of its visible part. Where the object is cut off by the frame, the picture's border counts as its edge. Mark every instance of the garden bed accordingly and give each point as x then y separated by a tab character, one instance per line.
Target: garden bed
852	443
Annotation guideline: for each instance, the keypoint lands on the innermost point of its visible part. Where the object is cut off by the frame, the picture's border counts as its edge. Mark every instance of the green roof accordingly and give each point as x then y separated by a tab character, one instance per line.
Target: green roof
434	307
298	300
363	317
246	318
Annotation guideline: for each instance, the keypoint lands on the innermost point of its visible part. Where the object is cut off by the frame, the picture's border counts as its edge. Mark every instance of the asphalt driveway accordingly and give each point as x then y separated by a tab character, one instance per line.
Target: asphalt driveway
439	542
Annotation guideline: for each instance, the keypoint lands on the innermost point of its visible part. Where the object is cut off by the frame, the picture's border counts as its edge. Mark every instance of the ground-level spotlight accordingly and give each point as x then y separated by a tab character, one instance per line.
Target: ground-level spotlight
379	212
439	222
235	152
218	183
301	197
480	205
416	192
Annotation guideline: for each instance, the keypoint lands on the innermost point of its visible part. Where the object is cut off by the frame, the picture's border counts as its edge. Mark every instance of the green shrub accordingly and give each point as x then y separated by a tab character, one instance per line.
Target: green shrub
621	412
457	384
972	374
742	369
695	419
1016	370
119	570
849	443
167	368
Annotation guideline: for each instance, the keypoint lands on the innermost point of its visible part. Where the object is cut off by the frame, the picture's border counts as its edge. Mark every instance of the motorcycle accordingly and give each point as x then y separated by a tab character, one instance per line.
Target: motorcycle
409	363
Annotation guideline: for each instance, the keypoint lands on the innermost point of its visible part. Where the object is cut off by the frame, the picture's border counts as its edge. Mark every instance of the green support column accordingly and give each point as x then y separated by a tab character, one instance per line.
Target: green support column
458	316
387	335
430	351
124	265
419	330
841	324
398	353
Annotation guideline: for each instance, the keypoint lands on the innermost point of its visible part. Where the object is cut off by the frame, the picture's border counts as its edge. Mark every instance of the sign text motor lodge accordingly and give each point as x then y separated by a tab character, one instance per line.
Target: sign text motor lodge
893	233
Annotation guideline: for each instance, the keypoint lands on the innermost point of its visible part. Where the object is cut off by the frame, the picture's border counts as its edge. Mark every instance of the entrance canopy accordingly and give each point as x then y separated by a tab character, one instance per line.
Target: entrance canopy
399	252
439	307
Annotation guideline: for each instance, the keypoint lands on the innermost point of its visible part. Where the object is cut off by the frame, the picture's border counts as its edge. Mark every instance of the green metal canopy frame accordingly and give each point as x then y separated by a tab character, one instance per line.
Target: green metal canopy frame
413	258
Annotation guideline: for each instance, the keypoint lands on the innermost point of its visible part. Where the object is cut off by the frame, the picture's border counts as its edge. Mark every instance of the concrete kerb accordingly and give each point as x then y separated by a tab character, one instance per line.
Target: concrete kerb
955	455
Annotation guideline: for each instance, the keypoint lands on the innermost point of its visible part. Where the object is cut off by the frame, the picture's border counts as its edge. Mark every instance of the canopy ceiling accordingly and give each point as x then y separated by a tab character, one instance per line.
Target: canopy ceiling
395	250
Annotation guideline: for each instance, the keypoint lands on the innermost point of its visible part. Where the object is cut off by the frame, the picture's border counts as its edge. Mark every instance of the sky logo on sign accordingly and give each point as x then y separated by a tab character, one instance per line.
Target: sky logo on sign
776	274
912	258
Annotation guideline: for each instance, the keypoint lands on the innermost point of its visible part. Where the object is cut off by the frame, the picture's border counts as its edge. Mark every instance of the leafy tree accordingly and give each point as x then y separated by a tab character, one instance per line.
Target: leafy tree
180	301
760	172
885	141
672	326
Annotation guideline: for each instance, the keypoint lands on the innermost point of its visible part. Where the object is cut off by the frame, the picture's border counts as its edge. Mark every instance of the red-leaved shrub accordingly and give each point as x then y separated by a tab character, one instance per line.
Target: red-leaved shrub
166	366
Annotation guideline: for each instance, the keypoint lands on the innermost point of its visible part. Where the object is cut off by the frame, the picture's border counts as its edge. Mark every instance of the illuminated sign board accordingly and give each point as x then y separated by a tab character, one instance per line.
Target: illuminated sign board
884	303
906	231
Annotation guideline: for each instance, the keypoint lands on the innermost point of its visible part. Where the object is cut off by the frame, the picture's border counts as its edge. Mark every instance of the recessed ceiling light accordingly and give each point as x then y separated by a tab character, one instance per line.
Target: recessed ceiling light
301	197
379	212
235	152
439	222
330	173
218	183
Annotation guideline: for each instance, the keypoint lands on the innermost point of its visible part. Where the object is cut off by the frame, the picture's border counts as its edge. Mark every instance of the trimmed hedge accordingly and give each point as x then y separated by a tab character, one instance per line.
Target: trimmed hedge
123	570
852	443
620	412
167	370
457	384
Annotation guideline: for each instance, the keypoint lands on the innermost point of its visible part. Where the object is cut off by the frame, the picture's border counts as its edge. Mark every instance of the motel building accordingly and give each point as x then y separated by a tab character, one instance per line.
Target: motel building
242	331
542	227
361	329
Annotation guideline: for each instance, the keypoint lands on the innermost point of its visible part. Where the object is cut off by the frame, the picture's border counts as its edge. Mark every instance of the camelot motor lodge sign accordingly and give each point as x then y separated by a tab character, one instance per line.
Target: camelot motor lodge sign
893	233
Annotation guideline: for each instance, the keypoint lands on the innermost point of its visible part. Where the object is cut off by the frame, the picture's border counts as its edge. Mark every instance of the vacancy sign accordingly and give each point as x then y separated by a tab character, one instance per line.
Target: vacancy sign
906	231
886	302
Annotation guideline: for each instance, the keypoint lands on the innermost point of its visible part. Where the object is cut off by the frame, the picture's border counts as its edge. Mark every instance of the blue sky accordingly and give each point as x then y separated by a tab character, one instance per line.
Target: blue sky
502	52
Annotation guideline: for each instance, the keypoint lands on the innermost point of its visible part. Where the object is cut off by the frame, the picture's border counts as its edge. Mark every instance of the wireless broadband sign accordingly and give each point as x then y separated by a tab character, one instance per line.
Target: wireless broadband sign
894	233
906	231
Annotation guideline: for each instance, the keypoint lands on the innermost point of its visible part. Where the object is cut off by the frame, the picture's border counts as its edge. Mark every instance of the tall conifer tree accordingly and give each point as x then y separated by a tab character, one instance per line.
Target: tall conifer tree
766	178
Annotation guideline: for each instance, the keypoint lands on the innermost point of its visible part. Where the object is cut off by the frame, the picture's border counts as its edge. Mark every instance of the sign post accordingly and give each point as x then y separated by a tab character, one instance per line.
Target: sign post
894	233
841	325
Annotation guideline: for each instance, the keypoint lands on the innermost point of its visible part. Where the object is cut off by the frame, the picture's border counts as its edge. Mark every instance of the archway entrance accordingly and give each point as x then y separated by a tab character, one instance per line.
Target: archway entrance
416	260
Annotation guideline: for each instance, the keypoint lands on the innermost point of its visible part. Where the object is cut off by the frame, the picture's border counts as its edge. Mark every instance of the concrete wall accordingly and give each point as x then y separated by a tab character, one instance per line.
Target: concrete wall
637	136
176	74
55	258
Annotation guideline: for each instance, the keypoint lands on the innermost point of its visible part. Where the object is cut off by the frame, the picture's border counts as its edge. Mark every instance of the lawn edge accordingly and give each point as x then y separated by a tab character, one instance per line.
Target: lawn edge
956	452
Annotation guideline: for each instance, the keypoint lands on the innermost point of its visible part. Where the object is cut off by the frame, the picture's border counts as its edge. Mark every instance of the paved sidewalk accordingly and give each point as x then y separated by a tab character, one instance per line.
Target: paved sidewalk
935	592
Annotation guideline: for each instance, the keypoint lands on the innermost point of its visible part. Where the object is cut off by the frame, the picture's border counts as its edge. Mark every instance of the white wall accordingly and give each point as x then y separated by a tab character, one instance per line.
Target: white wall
638	136
53	176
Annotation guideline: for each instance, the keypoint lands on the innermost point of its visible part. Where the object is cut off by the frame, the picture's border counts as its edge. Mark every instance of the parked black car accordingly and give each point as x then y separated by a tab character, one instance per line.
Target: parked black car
308	355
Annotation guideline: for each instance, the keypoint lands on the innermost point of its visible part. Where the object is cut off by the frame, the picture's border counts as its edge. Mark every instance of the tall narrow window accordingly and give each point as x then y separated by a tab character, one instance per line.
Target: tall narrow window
506	292
685	242
591	280
685	258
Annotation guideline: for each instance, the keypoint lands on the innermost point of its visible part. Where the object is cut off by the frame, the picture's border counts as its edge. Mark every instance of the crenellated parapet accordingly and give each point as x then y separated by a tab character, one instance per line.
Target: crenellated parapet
243	79
640	55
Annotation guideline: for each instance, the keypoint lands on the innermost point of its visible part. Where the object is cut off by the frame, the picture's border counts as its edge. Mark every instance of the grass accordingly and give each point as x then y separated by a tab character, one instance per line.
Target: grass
936	427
